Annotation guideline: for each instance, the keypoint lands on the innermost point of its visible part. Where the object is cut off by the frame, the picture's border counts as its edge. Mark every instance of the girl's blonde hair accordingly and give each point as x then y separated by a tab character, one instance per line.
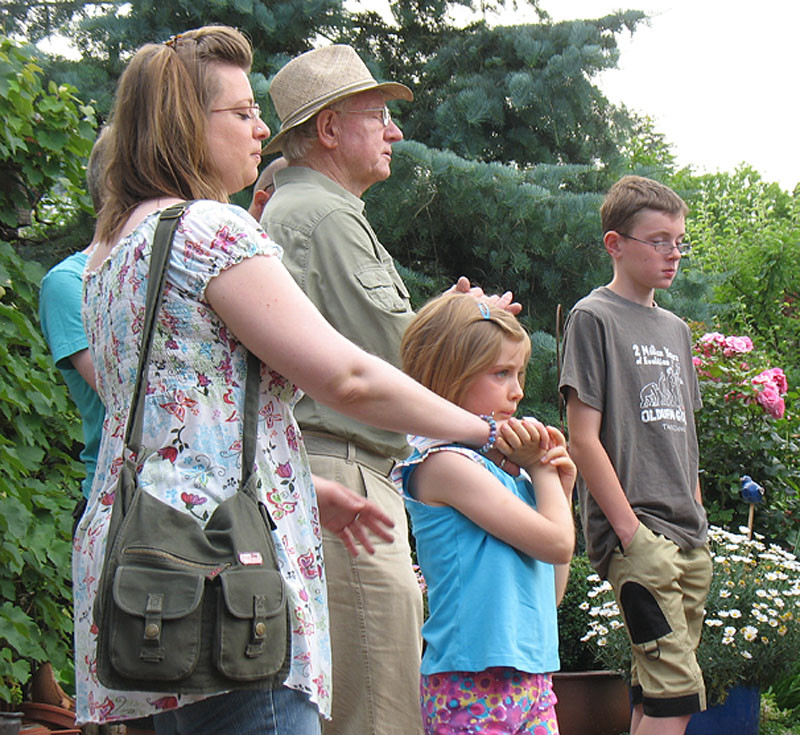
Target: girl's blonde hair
453	339
158	145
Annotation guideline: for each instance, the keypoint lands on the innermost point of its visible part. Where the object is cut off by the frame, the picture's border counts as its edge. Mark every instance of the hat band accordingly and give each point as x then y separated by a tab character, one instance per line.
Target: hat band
301	114
304	112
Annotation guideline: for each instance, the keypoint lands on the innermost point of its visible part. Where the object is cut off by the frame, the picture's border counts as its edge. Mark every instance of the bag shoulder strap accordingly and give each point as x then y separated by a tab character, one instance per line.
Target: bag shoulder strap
159	257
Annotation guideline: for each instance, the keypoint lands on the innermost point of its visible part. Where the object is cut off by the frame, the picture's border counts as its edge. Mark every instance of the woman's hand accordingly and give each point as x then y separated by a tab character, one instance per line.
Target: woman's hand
349	516
523	441
503	462
558	457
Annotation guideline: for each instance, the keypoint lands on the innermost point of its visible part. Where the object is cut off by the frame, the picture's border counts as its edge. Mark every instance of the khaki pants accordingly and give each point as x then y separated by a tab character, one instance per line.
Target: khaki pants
376	614
661	592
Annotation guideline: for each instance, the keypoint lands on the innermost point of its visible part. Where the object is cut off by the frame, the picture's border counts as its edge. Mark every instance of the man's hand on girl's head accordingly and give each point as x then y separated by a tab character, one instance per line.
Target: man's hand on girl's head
504	301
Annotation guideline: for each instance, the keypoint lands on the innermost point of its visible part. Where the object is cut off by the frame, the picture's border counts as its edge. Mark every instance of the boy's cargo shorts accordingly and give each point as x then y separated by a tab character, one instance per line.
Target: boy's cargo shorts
661	592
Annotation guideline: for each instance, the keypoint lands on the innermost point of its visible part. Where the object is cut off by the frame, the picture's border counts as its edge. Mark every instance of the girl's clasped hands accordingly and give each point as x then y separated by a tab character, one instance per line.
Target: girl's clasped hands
530	444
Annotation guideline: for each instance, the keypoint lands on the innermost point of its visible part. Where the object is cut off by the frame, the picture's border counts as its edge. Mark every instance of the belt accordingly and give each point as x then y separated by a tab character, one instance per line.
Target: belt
334	446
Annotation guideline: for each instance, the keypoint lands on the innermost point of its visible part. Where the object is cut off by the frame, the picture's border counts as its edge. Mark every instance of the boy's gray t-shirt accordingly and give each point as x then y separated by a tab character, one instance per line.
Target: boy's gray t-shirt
634	364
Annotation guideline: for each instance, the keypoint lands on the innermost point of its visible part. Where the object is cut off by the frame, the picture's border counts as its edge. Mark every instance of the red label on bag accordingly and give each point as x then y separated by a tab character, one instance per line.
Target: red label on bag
250	558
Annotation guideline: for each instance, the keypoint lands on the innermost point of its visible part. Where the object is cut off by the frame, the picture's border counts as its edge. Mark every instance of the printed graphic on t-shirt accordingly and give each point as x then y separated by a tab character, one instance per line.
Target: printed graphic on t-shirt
661	400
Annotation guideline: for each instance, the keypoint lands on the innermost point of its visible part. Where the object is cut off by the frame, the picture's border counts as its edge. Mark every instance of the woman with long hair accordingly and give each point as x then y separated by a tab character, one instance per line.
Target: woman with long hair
185	127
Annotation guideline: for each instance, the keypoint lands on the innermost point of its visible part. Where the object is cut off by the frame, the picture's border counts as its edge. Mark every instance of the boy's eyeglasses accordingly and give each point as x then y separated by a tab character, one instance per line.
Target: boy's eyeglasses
386	116
662	246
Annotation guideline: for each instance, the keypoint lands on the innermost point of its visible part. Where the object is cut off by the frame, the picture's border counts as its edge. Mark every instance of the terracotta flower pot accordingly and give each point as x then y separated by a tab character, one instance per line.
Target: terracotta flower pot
48	714
592	703
34	730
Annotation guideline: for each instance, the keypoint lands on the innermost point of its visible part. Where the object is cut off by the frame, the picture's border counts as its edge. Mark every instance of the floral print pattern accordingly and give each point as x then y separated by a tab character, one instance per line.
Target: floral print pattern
192	443
498	701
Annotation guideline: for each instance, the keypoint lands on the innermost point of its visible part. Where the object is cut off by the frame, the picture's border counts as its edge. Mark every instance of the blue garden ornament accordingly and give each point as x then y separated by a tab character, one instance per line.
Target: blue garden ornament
752	493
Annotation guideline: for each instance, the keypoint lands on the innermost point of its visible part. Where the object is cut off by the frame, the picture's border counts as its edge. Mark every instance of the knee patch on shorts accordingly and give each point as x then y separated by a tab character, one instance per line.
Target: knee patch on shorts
645	620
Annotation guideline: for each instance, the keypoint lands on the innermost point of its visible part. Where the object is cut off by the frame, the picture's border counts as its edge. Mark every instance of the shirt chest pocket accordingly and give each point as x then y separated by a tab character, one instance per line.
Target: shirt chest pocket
384	291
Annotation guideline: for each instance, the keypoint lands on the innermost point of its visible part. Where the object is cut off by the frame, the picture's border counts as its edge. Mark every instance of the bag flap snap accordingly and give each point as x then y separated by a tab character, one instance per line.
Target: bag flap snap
241	585
181	592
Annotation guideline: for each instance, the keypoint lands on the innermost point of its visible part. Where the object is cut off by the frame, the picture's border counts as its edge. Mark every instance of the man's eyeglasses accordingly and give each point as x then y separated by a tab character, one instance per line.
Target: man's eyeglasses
662	246
386	116
248	112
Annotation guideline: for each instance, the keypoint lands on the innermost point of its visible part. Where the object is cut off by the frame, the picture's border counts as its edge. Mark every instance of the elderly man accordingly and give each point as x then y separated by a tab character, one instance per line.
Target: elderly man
337	135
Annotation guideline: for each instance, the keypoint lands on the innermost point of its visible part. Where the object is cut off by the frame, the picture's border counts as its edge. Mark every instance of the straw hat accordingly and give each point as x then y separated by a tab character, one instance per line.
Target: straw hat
317	79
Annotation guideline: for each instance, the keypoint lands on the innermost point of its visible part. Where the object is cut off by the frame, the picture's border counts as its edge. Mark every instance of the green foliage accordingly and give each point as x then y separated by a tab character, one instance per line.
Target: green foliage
646	151
786	692
506	228
46	138
744	231
751	630
105	34
775	719
39	485
541	380
521	94
742	430
47	135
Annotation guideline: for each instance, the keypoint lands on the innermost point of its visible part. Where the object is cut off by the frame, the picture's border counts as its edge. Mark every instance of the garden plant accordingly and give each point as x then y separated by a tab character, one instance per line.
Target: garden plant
747	427
47	135
751	632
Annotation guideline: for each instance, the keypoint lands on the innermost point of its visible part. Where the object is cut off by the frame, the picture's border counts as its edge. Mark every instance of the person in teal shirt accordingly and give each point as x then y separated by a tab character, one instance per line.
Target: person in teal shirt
60	299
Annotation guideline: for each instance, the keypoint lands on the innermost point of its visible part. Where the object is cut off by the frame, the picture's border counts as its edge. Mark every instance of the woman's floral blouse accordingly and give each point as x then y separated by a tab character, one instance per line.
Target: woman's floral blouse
191	456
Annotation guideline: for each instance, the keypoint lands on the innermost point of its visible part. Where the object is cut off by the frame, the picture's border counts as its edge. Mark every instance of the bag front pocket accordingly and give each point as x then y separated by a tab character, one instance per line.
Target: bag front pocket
155	623
253	629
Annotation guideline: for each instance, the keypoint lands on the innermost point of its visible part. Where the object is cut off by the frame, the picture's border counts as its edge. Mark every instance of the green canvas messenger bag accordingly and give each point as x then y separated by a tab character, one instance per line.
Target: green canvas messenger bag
180	607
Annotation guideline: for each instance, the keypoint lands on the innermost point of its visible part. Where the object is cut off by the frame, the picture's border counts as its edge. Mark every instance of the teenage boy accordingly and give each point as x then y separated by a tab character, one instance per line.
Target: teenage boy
631	393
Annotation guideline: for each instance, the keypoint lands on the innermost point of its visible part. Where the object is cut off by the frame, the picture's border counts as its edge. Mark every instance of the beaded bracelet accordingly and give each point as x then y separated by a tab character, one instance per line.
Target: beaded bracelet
492	433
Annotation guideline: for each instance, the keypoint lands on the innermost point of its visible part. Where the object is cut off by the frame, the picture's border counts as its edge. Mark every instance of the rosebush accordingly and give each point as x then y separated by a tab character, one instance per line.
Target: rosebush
745	428
751	631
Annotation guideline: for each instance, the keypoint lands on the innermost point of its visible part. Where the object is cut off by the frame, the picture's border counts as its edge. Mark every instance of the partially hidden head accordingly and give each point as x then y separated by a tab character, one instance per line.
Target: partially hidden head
264	187
95	168
159	144
455	338
314	81
630	196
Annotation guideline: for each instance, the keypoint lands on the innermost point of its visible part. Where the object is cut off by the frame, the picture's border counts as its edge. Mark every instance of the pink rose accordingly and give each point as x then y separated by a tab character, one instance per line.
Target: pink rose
770	400
714	338
775	376
697	361
737	345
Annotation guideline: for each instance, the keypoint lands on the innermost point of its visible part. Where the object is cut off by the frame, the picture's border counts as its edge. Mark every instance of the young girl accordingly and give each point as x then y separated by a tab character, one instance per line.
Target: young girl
494	551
